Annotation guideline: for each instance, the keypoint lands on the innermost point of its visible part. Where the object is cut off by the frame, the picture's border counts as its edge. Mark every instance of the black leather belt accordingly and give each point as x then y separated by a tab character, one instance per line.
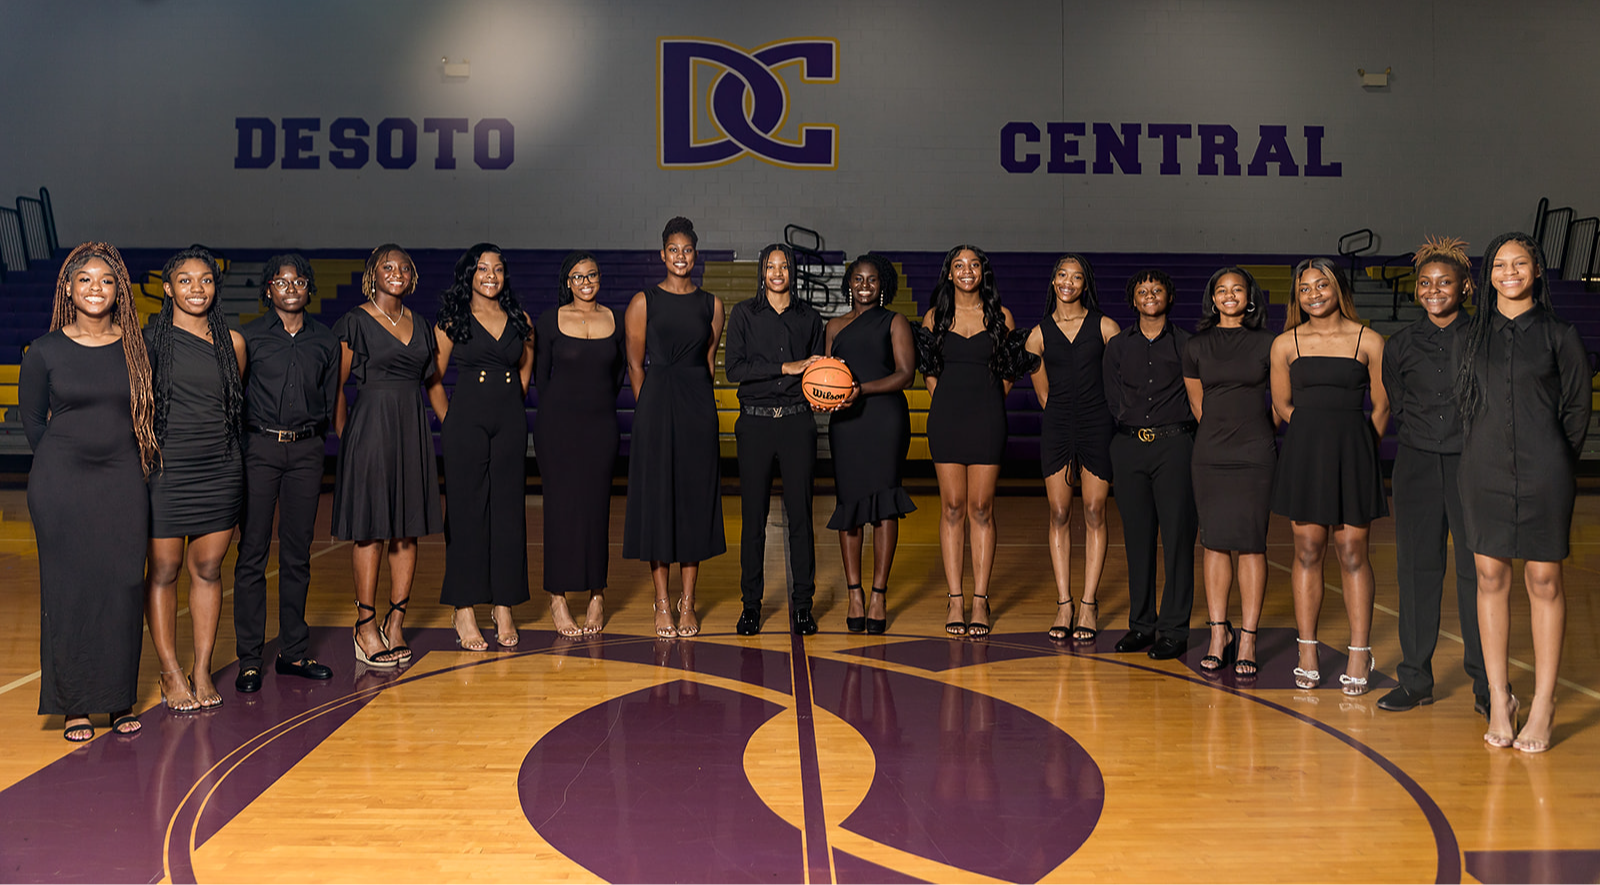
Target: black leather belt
774	411
1160	431
287	436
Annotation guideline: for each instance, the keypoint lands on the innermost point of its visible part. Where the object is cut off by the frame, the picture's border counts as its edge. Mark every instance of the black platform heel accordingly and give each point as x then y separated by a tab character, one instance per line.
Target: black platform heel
877	626
380	660
402	651
856	625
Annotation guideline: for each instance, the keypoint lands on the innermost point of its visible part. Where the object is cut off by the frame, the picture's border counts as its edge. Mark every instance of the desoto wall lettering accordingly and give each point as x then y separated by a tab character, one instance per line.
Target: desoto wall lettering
395	145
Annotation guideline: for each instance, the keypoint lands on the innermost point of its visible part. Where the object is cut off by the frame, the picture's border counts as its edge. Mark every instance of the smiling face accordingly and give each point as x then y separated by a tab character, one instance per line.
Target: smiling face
1151	299
678	255
192	287
394	275
1068	282
865	287
1439	289
287	290
583	281
1231	296
775	273
1317	295
1513	272
966	271
489	277
94	289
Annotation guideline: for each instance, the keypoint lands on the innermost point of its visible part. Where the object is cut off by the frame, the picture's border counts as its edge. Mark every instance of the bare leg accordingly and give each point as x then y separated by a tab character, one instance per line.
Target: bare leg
1547	598
952	536
850	542
981	480
365	557
204	561
402	568
1218	568
885	537
688	621
595	619
505	625
468	635
164	559
1310	545
562	617
1494	631
1059	494
1350	544
1252	570
1095	541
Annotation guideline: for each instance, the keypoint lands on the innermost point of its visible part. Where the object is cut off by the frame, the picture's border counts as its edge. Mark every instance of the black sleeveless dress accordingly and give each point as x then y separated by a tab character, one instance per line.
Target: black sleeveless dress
1077	421
869	440
1235	449
1328	470
387	485
199	487
967	416
485	442
575	436
674	468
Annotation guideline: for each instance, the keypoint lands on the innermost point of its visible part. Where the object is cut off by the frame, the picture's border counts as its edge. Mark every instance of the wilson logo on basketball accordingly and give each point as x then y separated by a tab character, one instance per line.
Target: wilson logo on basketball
826	382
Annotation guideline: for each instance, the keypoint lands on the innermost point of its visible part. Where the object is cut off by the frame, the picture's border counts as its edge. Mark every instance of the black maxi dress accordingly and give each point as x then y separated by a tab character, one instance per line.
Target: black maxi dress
387	485
1328	470
1235	449
1077	423
967	415
674	469
485	442
90	511
575	436
199	487
869	440
1519	455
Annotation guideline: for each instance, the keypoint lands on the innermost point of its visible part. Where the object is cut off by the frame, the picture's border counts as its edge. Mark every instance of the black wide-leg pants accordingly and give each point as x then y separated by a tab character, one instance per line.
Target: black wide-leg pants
1155	496
286	478
790	444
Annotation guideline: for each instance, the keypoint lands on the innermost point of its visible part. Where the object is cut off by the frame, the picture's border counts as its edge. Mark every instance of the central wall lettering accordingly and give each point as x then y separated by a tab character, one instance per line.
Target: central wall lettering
1213	149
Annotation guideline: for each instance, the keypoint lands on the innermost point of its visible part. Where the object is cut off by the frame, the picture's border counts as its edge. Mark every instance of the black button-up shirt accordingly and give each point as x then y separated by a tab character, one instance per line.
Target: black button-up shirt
291	380
1419	374
1144	378
761	340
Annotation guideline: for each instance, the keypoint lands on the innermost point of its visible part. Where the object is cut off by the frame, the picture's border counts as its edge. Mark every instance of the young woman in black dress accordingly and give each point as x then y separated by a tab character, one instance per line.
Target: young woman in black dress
196	494
965	363
1328	481
674	468
88	411
1226	370
387	485
870	432
485	440
1075	441
578	370
1524	391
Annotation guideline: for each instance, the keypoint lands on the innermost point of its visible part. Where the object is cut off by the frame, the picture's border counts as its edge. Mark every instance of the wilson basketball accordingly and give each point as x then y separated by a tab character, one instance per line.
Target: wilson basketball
826	382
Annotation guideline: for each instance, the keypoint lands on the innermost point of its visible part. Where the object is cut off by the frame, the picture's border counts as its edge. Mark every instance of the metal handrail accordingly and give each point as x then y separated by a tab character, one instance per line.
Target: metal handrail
1348	249
13	243
808	282
1538	217
1583	248
1395	281
1553	240
35	228
50	220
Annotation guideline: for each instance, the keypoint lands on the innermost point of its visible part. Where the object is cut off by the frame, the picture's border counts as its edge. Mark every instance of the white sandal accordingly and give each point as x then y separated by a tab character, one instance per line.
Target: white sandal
1355	686
1303	678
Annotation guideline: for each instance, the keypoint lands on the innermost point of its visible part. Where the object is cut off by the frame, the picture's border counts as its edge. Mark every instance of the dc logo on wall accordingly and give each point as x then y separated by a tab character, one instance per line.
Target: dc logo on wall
746	103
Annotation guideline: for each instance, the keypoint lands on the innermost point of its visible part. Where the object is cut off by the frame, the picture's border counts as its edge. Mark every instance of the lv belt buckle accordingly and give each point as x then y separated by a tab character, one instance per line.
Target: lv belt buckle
285	436
1147	435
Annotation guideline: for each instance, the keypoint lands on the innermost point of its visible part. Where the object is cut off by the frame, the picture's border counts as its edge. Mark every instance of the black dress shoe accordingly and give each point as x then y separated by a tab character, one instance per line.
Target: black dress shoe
306	669
248	681
1480	705
1167	648
1134	641
1401	700
804	623
749	622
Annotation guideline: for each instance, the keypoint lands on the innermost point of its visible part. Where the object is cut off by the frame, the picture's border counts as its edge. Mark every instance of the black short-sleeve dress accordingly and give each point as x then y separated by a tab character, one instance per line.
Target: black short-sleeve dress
199	487
1235	449
1328	470
869	440
1077	421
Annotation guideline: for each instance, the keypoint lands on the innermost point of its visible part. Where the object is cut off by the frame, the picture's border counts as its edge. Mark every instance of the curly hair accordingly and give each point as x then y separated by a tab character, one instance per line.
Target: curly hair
1326	266
1255	310
1088	298
944	307
574	258
1450	252
888	277
1469	395
369	277
160	333
141	397
455	305
302	269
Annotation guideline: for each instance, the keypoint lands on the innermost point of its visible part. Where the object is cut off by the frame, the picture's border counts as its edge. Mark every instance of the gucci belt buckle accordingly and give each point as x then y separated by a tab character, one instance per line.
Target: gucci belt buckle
1147	435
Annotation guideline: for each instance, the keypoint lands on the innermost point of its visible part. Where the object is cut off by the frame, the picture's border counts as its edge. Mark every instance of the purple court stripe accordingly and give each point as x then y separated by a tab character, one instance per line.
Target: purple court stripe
816	822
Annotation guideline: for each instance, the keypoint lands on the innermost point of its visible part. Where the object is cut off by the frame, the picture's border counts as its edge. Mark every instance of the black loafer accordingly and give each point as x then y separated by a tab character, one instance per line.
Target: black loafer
306	669
804	623
749	622
1167	648
1401	700
248	681
1134	641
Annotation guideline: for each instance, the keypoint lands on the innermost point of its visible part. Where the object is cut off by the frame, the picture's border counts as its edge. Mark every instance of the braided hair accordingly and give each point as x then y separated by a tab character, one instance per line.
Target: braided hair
761	266
1451	252
1469	394
994	321
161	334
369	277
141	399
455	305
574	258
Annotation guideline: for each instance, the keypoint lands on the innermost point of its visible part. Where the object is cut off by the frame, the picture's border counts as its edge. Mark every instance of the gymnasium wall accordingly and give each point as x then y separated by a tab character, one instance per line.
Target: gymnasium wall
1119	126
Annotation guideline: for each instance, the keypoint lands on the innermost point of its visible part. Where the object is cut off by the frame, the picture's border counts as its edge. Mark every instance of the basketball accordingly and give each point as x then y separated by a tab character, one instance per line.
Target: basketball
826	382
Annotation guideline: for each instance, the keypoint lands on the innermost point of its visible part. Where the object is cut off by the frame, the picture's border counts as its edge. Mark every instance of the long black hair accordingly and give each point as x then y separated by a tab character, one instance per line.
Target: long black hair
455	305
1255	309
761	266
161	329
944	307
302	269
574	258
1088	298
888	277
1469	395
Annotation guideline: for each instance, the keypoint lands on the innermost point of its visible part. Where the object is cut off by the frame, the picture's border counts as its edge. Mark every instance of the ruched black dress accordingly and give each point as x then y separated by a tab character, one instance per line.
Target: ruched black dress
199	487
674	470
1077	421
485	439
90	511
869	440
575	436
1328	470
1235	449
967	415
387	485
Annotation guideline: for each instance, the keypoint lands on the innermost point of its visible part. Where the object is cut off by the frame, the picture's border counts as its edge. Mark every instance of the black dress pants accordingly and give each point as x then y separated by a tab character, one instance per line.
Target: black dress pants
1155	496
286	477
790	443
1427	507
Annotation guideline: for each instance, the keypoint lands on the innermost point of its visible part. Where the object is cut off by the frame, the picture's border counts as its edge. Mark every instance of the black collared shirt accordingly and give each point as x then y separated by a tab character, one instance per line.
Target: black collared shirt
291	380
761	340
1419	374
1144	378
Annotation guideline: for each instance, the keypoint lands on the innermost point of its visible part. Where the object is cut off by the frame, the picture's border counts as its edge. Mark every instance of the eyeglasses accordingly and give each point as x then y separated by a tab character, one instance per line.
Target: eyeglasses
283	285
584	277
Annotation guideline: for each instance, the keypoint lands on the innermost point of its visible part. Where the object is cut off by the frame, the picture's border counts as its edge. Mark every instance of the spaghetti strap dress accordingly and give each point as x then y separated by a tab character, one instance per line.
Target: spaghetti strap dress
869	440
674	461
199	487
387	484
1328	470
1235	449
967	415
1077	423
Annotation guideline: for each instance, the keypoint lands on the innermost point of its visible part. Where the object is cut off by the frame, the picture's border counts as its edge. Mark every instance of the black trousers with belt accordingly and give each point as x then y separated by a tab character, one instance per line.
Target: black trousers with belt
1427	508
287	478
790	444
1155	496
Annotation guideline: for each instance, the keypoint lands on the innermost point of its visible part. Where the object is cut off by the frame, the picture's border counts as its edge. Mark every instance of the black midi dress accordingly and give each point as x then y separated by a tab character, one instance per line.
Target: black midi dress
1328	470
199	487
674	469
485	442
967	414
1077	423
869	440
90	512
575	436
387	485
1235	449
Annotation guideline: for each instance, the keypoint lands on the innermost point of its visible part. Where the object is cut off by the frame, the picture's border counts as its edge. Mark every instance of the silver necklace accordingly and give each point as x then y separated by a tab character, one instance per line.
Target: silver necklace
392	320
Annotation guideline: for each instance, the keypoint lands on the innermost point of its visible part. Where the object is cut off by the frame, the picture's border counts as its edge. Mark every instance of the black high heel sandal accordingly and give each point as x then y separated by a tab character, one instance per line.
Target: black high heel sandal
856	625
1246	662
361	655
1081	633
1060	634
955	628
402	651
877	626
975	629
1212	663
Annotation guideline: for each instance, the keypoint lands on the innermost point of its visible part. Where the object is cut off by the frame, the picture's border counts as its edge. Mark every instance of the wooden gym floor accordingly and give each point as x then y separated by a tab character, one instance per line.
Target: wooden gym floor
839	758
